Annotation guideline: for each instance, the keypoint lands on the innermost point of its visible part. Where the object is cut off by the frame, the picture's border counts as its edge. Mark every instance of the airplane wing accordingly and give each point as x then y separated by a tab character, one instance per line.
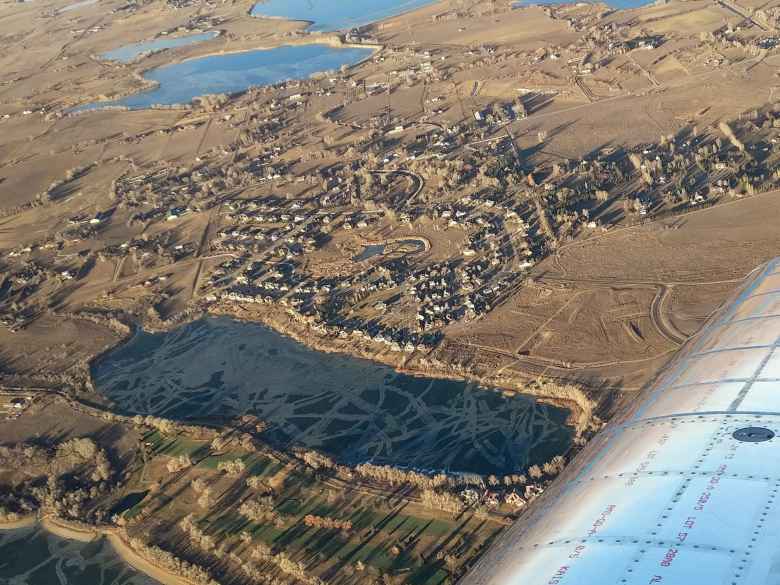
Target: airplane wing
683	490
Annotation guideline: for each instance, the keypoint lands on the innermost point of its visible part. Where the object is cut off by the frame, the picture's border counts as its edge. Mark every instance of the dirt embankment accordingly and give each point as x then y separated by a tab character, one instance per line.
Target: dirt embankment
69	530
129	555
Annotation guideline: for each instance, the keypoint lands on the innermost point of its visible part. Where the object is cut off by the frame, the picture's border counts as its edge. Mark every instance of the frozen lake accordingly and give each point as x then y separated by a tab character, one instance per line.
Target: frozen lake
330	15
333	15
32	556
353	409
179	83
129	53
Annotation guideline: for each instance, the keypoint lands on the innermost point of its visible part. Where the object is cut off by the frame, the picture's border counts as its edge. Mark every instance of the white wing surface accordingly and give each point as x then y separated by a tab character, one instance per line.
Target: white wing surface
685	489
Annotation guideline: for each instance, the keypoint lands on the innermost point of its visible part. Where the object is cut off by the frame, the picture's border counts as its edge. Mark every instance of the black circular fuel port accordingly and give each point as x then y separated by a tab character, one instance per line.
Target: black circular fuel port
753	434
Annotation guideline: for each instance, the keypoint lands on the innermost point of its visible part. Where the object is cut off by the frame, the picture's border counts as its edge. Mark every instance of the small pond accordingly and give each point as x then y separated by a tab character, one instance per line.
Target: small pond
369	252
77	5
391	248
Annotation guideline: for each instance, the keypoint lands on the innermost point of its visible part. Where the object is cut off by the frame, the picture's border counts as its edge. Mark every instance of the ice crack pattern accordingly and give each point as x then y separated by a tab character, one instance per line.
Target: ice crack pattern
351	408
30	556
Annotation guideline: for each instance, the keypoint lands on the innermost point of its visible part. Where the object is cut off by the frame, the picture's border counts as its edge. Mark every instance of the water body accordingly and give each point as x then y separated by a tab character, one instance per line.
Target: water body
627	4
353	409
369	252
180	83
129	53
332	15
618	4
31	556
77	5
401	247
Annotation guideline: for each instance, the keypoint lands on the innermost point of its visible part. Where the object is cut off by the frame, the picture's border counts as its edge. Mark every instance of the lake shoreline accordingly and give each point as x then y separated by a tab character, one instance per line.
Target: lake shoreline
26	521
68	530
140	563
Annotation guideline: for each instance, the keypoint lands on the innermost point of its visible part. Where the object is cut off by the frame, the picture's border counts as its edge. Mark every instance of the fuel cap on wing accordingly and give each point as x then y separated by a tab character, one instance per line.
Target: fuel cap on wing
753	434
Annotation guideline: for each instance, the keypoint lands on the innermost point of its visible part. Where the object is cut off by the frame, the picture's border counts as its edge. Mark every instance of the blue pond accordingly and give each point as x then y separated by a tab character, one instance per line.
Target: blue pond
618	4
330	15
128	53
181	82
626	4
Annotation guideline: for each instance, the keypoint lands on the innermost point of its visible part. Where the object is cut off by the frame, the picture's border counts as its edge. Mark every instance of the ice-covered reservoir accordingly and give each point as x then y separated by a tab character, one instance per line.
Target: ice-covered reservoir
128	53
180	83
331	15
